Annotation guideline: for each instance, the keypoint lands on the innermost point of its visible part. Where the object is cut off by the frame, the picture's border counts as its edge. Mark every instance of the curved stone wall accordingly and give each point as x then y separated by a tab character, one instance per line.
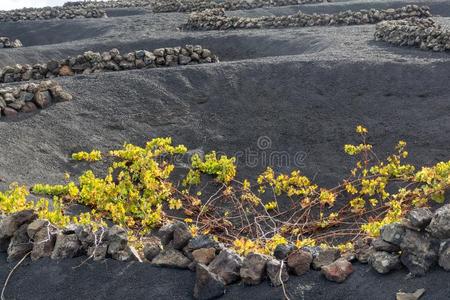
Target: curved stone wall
6	42
94	62
215	19
30	97
422	33
47	13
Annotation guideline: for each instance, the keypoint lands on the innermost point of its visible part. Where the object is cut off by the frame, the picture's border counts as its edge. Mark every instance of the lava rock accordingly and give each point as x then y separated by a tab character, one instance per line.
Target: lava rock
66	246
20	244
440	223
299	262
151	250
363	251
325	257
181	236
283	250
380	245
384	262
165	233
410	296
444	255
10	224
208	285
419	217
337	271
43	236
227	265
201	241
277	272
253	268
171	258
419	251
117	239
204	255
393	233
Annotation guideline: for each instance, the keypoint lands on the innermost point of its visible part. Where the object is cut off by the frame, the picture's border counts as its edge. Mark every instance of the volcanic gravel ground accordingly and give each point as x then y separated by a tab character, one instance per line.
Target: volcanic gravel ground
301	89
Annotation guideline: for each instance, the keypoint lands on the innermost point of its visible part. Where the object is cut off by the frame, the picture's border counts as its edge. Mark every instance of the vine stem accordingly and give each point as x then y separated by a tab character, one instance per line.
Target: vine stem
2	297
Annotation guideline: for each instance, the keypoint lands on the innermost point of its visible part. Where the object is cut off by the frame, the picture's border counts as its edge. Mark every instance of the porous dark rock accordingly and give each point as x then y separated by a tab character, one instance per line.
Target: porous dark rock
165	233
283	250
171	258
181	236
253	268
440	223
117	239
363	250
299	262
43	235
419	251
10	224
325	257
66	246
381	245
201	241
410	296
419	217
337	271
6	42
20	244
444	255
384	262
393	233
277	272
227	265
208	285
151	250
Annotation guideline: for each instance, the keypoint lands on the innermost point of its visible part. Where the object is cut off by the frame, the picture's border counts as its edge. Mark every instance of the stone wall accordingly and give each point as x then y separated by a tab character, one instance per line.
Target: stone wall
215	19
47	13
199	5
30	97
94	62
422	33
109	4
6	42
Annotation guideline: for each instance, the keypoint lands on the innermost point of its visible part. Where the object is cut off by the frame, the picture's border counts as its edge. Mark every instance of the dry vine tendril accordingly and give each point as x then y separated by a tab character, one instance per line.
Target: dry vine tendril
138	193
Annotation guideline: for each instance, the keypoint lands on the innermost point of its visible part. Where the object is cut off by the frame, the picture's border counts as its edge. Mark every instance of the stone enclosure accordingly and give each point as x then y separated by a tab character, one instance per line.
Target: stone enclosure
47	13
94	62
6	42
30	97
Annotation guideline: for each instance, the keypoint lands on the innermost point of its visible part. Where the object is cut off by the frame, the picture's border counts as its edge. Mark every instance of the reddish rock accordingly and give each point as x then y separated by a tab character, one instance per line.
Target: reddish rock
299	262
204	255
9	112
29	107
65	71
338	271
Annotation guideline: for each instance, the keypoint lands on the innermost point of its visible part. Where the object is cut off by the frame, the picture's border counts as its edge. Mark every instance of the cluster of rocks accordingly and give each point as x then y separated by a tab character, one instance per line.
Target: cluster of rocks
199	5
216	266
22	233
215	19
47	13
422	33
109	4
30	97
94	62
6	42
419	242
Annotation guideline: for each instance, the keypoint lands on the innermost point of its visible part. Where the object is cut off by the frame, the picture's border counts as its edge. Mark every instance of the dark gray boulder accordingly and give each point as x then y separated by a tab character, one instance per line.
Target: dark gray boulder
10	224
384	262
277	272
444	255
208	285
419	217
171	258
283	250
227	265
440	223
393	233
325	257
66	246
381	245
20	244
419	251
181	236
253	269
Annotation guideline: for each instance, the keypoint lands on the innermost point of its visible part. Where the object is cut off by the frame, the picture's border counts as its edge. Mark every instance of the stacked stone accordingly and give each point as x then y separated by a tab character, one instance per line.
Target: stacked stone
215	19
30	97
109	4
418	242
421	33
94	62
6	42
160	6
23	232
47	13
